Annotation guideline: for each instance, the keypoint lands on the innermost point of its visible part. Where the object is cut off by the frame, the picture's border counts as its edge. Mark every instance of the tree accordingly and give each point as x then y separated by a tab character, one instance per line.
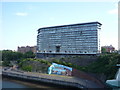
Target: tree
103	50
10	55
29	54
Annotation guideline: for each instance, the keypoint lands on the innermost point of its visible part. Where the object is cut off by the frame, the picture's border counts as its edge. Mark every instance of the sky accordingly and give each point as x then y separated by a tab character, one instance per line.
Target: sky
20	21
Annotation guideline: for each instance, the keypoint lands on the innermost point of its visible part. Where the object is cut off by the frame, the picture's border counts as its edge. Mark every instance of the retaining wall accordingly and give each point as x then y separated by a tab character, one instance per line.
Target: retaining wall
45	80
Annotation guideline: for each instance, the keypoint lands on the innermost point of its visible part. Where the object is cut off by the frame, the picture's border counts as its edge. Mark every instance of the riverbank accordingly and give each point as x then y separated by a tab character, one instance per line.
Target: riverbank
42	79
68	81
9	82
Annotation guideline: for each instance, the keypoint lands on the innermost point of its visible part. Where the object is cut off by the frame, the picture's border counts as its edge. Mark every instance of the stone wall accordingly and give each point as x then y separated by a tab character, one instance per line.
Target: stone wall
87	76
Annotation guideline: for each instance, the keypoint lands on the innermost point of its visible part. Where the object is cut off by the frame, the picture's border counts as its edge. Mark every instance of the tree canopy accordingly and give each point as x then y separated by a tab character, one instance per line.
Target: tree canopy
9	55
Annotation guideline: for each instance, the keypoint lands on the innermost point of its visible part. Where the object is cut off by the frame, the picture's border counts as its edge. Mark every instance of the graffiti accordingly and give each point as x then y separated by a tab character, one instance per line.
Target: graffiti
59	69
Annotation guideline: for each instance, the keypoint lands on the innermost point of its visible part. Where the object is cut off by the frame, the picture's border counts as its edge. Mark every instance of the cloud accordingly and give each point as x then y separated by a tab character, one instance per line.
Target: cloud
21	14
113	11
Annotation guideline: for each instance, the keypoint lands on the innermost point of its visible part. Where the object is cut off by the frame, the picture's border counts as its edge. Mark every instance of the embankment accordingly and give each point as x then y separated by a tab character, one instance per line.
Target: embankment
53	79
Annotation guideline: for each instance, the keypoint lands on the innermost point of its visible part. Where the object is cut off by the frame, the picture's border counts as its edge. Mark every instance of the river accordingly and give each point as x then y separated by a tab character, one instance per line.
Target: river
6	82
16	84
12	83
9	82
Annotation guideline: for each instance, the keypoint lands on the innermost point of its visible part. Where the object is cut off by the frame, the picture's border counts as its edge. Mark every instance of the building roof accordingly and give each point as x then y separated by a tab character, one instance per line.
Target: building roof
71	25
107	46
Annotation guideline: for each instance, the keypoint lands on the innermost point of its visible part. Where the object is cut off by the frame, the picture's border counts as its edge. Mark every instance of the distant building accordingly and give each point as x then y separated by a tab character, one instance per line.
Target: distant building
82	38
107	49
24	49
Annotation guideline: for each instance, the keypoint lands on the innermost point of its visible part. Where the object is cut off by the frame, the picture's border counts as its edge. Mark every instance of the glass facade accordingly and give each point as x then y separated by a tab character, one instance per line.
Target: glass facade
74	38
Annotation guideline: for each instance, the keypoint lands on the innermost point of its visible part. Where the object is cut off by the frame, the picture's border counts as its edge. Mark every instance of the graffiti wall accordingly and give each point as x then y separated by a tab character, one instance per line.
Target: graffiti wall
59	69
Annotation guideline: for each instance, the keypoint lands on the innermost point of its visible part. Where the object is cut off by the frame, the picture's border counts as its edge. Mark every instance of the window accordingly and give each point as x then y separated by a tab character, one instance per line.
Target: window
57	48
81	32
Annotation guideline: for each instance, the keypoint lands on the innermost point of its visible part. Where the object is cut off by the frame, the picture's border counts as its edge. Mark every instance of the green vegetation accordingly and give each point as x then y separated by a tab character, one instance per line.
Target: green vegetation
9	55
104	64
103	50
29	55
34	65
27	68
63	63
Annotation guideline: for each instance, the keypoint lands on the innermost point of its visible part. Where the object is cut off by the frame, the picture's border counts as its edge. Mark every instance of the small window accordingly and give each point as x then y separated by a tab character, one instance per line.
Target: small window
81	32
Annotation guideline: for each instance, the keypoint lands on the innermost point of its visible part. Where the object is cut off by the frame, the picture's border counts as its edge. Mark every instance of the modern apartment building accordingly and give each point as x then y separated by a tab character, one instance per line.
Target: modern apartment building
82	38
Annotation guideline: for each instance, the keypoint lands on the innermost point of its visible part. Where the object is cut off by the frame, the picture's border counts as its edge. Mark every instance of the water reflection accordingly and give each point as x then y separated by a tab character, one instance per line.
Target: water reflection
11	83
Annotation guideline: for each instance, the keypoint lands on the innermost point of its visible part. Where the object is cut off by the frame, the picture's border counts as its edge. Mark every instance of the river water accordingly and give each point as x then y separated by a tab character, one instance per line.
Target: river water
12	83
16	84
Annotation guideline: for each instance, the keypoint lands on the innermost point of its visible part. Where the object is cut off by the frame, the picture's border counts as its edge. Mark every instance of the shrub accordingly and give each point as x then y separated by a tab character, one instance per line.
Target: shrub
27	68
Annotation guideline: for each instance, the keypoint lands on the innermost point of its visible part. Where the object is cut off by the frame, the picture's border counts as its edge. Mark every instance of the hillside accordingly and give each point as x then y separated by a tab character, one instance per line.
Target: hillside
102	65
99	65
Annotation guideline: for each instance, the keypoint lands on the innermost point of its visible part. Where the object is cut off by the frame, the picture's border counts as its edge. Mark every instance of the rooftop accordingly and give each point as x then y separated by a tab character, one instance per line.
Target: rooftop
71	25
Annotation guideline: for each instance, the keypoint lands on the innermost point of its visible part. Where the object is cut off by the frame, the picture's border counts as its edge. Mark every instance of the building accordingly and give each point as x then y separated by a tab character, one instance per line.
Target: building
108	49
24	49
82	38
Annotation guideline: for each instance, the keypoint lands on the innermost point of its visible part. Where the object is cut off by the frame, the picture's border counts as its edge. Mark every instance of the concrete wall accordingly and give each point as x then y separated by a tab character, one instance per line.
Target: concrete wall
45	80
58	55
